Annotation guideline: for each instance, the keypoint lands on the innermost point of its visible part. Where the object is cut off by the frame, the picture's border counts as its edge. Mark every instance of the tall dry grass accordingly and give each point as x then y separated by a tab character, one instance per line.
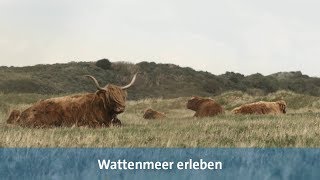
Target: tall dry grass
299	128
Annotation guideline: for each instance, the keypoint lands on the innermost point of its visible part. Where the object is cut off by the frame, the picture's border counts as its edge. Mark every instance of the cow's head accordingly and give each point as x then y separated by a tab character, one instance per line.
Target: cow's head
194	103
114	96
148	113
283	106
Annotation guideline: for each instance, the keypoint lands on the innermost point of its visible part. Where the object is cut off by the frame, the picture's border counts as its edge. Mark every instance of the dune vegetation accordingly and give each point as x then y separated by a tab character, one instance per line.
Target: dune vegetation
154	81
300	127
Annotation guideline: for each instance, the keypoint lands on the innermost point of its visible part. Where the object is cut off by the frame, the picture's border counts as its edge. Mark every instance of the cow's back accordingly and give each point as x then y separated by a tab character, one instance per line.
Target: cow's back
260	107
64	111
209	108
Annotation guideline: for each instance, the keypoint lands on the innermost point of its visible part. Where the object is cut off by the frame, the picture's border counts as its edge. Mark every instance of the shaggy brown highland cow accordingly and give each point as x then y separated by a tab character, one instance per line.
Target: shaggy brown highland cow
97	109
152	114
204	107
262	107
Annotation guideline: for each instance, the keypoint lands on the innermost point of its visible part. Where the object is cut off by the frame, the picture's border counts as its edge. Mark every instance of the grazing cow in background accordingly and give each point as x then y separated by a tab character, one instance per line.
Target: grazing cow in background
204	107
97	109
262	107
152	114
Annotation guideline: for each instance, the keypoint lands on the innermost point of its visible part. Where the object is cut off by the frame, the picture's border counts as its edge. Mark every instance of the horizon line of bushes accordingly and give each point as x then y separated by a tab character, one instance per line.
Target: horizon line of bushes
155	80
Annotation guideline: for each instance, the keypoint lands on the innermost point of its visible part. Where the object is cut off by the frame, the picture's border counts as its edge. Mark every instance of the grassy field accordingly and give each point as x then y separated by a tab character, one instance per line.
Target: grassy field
300	127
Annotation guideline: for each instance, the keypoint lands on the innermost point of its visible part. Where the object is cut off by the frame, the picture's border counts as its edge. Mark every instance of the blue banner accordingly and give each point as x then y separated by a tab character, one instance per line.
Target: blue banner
159	163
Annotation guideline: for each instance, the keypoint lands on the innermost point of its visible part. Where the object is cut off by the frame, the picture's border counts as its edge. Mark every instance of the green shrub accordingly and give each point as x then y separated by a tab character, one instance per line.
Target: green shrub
104	64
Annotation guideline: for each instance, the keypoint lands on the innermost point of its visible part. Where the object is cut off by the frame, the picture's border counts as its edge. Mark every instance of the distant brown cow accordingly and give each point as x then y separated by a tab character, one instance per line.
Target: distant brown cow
152	114
204	107
262	107
97	109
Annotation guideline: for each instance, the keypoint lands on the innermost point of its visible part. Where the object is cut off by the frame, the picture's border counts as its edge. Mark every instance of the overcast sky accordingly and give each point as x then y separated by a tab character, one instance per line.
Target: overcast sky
246	36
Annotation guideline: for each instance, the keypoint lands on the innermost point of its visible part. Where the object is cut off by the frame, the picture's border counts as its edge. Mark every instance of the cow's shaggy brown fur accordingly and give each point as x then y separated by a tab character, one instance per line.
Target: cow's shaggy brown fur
204	107
152	114
98	109
262	107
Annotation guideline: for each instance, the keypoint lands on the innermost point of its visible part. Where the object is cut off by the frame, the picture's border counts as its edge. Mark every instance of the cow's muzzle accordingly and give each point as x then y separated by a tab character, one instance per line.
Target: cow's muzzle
119	109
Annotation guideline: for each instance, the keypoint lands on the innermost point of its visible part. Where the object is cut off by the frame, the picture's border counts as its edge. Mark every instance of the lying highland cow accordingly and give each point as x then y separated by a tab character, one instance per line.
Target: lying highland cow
97	109
204	107
262	107
152	114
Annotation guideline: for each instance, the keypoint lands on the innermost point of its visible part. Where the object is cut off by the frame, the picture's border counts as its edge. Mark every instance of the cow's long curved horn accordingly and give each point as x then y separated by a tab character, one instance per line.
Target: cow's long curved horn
95	82
131	83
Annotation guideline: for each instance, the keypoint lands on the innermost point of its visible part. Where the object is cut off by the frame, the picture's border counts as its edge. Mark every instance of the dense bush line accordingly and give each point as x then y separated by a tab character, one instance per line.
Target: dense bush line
155	80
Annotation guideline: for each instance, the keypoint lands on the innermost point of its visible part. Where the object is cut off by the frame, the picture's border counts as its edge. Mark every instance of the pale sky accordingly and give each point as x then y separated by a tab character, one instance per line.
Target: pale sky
246	36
